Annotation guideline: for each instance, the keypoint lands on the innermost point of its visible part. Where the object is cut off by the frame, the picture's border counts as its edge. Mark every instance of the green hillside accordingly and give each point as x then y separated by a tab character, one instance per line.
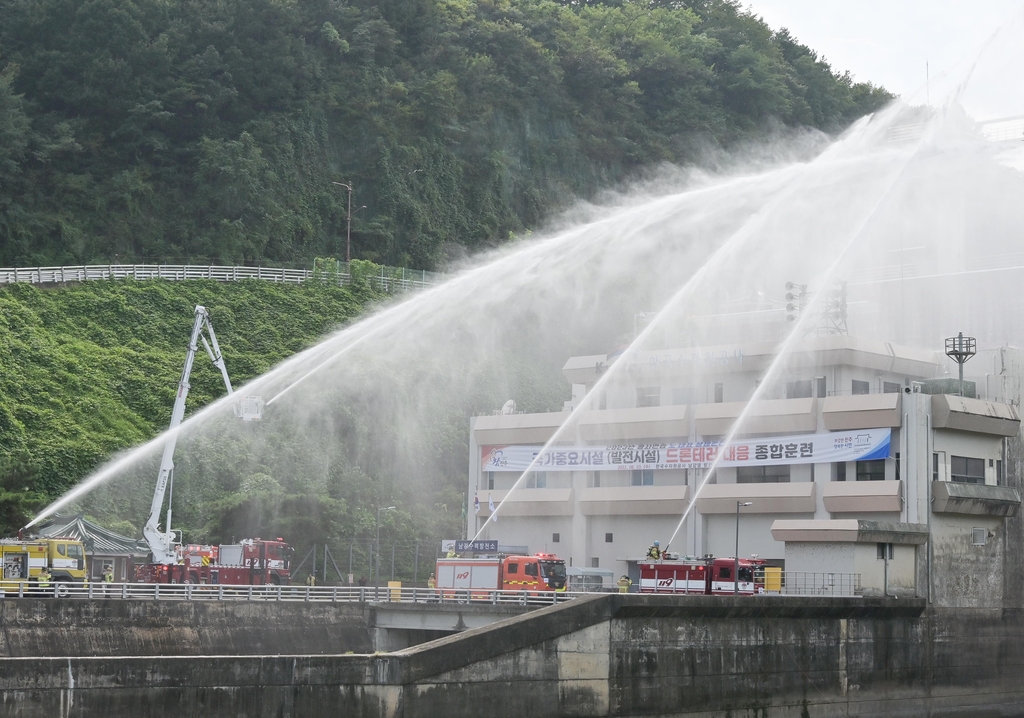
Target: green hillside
135	130
90	369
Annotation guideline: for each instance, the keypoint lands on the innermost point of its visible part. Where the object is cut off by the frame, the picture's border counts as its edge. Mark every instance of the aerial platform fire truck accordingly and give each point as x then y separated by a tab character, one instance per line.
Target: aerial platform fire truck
707	575
539	573
253	561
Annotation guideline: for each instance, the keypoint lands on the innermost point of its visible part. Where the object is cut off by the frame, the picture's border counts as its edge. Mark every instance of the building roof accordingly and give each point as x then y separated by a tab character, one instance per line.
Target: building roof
95	538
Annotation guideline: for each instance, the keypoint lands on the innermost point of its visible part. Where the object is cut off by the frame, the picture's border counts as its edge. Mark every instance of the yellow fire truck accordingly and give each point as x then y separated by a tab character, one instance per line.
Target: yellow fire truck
21	562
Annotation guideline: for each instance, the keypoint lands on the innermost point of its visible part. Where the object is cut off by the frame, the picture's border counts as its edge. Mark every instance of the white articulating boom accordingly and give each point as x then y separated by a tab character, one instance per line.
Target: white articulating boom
163	543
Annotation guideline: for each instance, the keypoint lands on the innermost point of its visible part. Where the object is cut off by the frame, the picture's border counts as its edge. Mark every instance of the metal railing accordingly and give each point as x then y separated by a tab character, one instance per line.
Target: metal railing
802	583
321	594
388	279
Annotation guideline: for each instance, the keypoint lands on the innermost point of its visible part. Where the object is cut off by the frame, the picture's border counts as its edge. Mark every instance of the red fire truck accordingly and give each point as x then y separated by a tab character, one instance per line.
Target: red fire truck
252	562
480	576
708	576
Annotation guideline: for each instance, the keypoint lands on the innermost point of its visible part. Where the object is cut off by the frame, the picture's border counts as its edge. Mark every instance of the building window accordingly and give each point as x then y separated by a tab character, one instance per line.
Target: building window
897	466
819	382
684	396
555	538
935	467
537	480
1000	479
641	477
595	563
978	536
966	470
490	480
719	393
891	387
608	538
860	387
873	470
883	549
841	471
602	401
648	396
597	479
762	474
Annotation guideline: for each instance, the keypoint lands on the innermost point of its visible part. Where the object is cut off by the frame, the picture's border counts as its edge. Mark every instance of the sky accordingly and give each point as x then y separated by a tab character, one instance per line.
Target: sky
888	42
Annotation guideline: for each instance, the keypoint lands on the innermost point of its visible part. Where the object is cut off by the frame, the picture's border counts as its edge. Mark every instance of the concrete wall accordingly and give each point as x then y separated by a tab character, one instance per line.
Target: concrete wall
47	627
606	655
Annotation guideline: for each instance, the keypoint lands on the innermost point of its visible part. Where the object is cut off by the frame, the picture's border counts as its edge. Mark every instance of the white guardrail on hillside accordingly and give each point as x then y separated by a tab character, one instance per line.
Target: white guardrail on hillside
388	279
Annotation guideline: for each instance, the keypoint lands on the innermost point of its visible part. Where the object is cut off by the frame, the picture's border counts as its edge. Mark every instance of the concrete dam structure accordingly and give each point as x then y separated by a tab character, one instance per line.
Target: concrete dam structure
606	655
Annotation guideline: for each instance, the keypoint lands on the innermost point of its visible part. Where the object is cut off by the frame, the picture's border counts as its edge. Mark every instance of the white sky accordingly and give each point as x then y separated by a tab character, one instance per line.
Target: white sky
887	42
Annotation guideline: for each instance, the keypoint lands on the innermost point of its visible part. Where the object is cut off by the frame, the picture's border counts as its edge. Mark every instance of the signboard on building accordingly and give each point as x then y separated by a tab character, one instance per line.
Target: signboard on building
838	446
476	546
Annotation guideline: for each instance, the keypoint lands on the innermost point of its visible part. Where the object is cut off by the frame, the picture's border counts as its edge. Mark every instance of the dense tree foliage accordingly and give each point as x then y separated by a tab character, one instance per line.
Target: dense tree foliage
140	130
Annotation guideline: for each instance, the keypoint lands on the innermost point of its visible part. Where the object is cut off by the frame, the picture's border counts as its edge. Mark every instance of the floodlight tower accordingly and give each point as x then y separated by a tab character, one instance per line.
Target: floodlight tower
793	310
960	349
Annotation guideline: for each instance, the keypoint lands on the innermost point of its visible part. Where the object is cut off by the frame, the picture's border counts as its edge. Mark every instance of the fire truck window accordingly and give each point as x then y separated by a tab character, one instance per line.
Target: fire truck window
60	548
725	572
746	575
530	569
513	568
74	550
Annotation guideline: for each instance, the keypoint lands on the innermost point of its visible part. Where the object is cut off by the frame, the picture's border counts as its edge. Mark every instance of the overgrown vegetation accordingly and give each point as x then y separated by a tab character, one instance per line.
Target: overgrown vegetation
134	130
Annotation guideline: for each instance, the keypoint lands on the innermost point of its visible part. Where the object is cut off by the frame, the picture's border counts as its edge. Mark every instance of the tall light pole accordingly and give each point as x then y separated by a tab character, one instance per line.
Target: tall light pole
736	559
348	229
376	574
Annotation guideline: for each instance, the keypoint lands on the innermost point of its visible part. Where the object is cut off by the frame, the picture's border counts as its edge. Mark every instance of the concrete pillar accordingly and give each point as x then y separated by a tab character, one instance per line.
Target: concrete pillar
822	476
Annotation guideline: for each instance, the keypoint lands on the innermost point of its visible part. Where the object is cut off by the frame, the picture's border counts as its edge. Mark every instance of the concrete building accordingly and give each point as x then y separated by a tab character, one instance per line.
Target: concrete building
861	458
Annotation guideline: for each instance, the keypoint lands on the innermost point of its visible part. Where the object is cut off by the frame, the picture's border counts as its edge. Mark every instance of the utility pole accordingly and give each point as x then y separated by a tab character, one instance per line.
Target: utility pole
736	557
348	221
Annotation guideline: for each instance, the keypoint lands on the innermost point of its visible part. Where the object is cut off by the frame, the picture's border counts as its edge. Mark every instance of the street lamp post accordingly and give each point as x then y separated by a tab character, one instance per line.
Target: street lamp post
376	574
736	558
348	222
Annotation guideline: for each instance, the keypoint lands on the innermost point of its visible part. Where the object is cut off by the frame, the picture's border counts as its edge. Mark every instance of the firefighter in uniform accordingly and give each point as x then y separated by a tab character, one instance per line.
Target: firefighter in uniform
431	582
43	581
311	580
654	551
451	552
624	583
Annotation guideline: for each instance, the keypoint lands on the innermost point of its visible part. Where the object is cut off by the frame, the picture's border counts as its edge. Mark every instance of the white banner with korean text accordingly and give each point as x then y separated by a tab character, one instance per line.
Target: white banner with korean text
837	446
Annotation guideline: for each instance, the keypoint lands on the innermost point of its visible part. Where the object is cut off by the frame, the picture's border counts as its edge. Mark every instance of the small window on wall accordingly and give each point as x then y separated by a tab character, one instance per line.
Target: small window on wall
608	538
555	538
490	480
891	387
897	465
965	470
935	467
873	470
885	551
595	563
762	474
597	479
860	387
978	536
841	471
648	396
719	393
1000	479
641	477
798	389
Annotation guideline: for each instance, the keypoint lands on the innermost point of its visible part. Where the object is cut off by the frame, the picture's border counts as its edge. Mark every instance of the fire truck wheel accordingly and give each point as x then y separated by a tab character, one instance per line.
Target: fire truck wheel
62	590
